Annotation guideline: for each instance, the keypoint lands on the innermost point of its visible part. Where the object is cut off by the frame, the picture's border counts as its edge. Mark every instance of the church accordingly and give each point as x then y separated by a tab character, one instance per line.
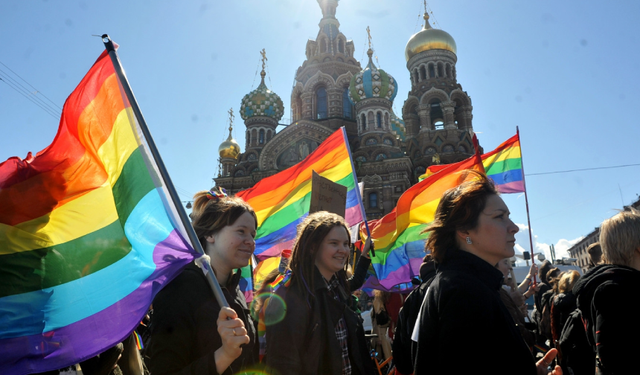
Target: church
331	89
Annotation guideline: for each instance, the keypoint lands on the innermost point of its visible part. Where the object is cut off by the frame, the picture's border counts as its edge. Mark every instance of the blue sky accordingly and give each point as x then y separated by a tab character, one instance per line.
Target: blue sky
565	72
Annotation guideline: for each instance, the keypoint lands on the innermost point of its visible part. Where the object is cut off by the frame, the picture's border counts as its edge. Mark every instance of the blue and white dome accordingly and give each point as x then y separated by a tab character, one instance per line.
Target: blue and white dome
372	83
262	102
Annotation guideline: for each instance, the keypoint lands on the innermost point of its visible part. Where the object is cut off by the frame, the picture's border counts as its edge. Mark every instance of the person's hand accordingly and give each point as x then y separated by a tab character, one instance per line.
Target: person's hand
366	248
233	334
543	364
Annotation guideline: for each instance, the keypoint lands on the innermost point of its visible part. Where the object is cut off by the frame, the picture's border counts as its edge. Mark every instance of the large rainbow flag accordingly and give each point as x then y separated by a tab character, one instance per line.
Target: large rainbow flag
282	201
87	237
397	236
504	166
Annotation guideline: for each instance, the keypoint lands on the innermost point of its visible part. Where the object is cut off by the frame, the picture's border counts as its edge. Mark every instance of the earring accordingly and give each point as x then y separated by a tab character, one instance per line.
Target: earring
468	240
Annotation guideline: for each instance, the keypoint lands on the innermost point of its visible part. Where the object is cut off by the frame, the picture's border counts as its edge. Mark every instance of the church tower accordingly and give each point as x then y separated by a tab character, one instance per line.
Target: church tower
437	112
320	91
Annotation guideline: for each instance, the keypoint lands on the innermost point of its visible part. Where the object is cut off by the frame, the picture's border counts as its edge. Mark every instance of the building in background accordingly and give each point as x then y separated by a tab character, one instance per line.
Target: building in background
332	90
579	250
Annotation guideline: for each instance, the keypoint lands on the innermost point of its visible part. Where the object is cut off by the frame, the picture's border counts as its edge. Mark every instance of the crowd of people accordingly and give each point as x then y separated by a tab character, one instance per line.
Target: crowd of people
465	315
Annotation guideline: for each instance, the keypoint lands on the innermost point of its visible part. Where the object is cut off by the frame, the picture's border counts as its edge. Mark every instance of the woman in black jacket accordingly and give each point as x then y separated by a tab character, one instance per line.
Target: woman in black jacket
463	326
316	332
190	333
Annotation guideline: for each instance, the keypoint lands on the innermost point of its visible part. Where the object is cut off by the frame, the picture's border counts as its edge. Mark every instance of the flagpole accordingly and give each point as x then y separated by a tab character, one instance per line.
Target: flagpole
526	202
213	282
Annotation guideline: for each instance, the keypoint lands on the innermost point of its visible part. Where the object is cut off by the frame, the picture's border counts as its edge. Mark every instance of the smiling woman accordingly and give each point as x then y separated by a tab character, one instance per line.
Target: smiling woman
185	335
322	334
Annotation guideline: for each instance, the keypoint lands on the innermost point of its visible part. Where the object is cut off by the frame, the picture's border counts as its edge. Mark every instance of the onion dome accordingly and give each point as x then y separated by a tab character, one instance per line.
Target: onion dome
427	39
397	127
372	83
229	148
262	102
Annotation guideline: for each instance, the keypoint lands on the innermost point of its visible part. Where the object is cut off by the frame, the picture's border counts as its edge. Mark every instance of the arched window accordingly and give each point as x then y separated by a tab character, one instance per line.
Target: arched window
249	138
432	71
415	76
268	135
347	107
373	200
370	121
323	46
321	103
379	120
363	122
386	120
423	73
261	139
440	70
449	71
340	46
254	137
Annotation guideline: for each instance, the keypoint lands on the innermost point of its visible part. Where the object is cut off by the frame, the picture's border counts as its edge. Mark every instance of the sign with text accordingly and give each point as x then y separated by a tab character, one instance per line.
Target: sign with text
327	195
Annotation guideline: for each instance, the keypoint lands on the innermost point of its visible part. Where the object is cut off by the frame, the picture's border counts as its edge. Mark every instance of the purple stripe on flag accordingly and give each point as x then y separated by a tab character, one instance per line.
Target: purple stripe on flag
511	187
88	337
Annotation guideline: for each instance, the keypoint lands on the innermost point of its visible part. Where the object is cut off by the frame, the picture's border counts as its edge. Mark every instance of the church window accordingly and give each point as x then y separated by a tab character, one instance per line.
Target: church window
340	46
347	107
239	173
254	137
430	150
415	76
363	122
268	135
447	149
261	140
321	103
373	200
248	138
423	73
370	121
432	71
251	156
386	120
438	124
381	156
361	159
462	149
388	141
323	46
440	70
379	120
449	71
371	142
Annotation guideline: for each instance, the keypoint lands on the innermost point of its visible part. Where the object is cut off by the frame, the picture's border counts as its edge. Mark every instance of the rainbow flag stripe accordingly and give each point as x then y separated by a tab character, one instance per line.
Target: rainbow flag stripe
282	201
87	237
504	166
397	235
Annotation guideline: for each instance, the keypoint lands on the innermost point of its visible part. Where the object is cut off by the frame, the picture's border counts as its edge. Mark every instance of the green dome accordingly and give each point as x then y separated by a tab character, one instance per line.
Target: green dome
261	102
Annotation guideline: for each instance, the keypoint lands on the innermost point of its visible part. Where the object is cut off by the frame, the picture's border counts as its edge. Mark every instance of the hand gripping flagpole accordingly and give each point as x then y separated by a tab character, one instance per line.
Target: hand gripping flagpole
213	282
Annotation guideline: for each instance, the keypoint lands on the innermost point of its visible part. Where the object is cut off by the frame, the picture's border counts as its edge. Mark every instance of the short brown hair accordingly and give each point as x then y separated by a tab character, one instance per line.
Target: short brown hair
458	209
595	253
620	237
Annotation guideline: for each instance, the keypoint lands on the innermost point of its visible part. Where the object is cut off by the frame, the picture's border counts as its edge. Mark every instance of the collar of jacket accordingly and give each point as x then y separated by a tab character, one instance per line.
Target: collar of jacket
466	262
320	284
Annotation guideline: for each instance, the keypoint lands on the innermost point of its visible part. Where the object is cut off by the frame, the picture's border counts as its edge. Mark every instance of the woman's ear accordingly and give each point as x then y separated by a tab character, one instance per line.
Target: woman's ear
210	239
462	235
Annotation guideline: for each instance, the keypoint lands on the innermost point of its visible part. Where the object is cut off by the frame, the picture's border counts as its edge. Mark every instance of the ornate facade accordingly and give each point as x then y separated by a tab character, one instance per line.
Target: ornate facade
332	90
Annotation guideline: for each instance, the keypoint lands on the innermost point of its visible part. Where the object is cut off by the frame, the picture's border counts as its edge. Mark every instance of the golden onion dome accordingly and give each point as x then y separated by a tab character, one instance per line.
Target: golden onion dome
229	148
427	39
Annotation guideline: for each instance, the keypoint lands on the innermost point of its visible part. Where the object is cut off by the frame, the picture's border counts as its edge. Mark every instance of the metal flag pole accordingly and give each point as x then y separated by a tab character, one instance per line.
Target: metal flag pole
526	202
213	282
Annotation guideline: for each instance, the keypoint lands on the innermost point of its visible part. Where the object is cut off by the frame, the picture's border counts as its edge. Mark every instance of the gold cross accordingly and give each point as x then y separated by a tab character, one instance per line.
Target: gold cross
231	117
369	36
264	57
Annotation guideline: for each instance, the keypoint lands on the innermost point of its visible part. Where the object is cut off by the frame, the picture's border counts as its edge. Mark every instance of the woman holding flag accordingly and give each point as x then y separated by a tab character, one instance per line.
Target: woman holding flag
317	333
190	333
463	327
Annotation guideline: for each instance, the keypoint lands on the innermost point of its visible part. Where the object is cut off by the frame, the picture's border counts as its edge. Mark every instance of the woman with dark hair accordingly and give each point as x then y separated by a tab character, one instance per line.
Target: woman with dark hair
316	332
463	326
190	332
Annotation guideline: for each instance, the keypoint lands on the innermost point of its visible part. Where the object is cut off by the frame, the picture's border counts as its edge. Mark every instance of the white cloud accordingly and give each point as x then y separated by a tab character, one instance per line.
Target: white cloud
523	244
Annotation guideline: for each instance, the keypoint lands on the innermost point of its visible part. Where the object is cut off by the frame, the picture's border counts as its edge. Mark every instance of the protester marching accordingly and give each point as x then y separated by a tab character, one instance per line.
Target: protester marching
103	271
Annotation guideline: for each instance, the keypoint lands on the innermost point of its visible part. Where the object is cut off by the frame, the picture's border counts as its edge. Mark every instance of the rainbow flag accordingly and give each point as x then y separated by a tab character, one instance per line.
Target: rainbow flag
87	237
504	166
397	236
282	201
